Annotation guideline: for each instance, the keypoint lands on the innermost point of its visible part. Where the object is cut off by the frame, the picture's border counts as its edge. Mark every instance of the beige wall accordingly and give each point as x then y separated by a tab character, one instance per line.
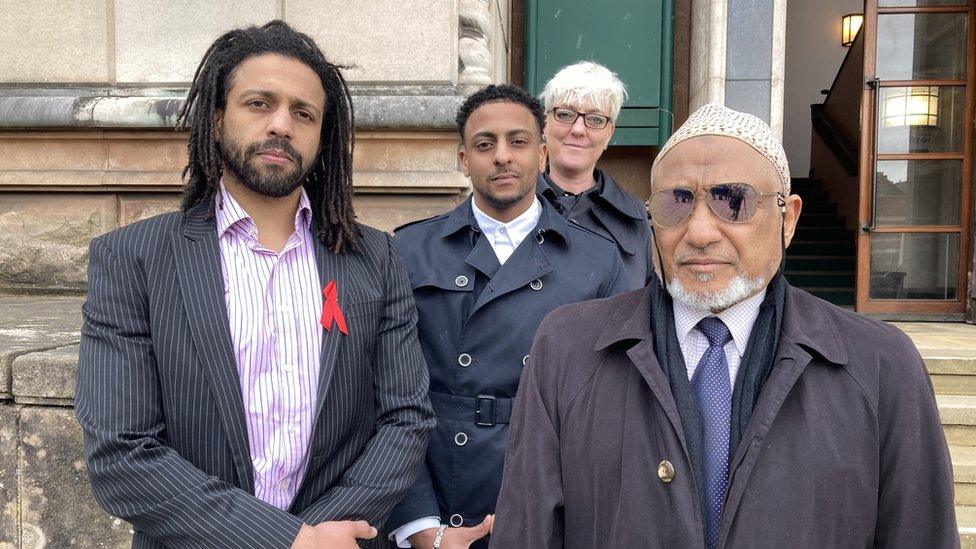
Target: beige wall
160	42
58	190
813	57
62	183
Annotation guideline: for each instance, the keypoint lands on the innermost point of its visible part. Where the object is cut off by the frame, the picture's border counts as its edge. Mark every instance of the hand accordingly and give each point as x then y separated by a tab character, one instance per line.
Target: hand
454	538
334	535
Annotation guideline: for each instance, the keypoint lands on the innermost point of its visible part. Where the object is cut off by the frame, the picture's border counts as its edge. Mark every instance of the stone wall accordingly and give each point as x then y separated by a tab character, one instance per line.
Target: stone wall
89	93
45	497
90	90
58	190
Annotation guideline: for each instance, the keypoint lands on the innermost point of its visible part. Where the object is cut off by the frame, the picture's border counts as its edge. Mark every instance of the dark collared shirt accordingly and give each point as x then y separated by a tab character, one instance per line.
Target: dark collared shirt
608	210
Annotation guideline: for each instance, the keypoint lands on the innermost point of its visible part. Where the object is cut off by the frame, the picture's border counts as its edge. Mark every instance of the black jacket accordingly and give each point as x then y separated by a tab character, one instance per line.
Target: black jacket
618	216
159	395
476	322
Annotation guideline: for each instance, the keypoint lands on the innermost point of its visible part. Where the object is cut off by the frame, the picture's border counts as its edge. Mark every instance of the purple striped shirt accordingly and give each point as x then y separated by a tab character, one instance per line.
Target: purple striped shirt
274	301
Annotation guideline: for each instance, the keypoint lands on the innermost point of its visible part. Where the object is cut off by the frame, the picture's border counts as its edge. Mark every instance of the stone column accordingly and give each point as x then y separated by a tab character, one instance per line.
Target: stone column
708	44
474	53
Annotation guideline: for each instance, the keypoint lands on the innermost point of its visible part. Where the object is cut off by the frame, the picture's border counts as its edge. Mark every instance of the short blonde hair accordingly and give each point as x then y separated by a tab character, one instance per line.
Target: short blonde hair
585	82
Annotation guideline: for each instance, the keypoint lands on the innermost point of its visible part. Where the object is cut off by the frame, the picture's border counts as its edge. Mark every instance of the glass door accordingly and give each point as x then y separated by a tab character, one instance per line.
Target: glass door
916	159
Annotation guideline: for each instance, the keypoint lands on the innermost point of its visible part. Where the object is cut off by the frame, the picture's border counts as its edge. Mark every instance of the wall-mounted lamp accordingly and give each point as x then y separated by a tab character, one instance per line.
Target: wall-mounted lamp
910	106
850	24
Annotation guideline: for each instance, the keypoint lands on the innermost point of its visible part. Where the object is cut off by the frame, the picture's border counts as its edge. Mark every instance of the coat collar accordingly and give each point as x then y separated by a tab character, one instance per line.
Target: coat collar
607	192
807	322
550	222
631	321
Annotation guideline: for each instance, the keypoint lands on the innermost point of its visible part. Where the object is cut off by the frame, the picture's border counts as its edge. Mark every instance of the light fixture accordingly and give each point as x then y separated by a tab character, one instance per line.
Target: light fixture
910	106
850	24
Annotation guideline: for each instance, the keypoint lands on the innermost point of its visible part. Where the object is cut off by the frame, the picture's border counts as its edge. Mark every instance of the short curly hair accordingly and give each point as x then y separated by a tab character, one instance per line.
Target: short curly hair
496	93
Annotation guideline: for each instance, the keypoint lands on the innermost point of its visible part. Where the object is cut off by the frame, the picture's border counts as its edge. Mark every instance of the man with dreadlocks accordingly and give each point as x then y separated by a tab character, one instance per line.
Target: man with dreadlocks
250	374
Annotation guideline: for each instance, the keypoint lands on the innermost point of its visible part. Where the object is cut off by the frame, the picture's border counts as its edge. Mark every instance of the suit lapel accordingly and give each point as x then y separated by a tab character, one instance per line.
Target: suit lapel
331	266
198	269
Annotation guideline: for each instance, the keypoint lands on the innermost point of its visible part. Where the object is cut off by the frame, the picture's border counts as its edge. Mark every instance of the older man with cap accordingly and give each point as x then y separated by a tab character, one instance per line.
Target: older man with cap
720	406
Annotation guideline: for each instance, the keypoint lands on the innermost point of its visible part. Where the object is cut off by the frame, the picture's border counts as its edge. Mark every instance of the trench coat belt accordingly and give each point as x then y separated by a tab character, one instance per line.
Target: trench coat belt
483	410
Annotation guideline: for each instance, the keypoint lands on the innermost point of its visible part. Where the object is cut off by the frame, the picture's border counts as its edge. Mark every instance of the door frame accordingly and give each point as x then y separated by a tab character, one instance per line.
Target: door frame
867	166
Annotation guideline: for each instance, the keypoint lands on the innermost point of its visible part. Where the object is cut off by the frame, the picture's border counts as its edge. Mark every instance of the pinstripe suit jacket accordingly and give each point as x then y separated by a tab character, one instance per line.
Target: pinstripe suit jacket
159	397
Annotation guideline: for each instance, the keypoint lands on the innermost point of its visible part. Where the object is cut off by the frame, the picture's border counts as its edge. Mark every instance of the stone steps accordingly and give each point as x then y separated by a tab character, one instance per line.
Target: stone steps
952	375
964	474
966	518
954	381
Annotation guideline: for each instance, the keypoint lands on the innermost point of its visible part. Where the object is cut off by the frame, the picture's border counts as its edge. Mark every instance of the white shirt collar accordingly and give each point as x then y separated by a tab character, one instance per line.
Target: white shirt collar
739	318
516	229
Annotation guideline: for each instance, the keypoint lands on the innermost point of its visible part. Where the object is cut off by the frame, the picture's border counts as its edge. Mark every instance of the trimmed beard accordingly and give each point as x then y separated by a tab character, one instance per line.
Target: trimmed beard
738	289
503	203
275	182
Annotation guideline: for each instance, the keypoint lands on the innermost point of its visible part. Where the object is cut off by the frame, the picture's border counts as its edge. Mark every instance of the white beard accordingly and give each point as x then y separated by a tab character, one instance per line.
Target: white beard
739	288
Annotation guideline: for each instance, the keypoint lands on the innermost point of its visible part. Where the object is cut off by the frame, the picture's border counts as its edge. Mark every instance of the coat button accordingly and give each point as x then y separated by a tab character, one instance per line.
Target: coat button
461	281
525	360
464	360
457	520
461	438
665	471
536	284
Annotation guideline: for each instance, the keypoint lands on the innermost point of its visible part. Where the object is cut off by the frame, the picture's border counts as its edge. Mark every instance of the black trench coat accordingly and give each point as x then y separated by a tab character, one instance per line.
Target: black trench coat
476	323
844	448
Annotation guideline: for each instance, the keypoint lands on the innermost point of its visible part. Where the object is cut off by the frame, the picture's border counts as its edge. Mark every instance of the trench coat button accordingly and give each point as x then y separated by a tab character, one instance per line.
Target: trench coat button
525	360
665	471
461	438
464	360
536	284
457	520
461	281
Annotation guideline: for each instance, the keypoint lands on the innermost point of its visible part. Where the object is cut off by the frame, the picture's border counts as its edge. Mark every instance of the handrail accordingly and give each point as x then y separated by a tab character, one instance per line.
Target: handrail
836	120
847	57
843	149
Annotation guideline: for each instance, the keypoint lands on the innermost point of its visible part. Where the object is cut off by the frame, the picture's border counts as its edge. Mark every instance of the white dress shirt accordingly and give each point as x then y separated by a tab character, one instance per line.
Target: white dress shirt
504	239
739	319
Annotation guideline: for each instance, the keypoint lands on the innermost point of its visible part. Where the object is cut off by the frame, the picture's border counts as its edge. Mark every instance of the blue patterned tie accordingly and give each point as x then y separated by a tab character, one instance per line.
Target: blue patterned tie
711	385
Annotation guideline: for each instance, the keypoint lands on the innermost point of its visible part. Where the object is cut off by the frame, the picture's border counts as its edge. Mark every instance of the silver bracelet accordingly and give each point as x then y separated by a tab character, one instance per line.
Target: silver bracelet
439	535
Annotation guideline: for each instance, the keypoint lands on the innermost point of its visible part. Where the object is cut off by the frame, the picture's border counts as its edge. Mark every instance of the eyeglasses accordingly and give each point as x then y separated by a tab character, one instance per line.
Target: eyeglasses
591	120
732	202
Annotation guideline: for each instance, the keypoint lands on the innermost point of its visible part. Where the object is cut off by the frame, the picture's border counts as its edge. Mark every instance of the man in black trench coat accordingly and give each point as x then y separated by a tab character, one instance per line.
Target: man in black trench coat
483	276
719	406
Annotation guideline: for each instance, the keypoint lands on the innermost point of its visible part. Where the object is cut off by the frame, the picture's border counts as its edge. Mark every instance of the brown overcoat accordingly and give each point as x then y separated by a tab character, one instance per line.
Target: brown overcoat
844	448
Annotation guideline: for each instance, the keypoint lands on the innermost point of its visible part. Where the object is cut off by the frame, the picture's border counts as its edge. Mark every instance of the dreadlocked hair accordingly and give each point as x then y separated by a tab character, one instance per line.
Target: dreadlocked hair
329	181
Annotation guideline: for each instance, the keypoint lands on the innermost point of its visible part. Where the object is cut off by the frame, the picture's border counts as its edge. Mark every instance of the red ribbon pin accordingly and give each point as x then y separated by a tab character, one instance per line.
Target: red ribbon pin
331	310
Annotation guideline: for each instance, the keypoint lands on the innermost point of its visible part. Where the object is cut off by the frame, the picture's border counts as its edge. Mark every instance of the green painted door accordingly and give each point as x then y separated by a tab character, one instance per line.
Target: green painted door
631	37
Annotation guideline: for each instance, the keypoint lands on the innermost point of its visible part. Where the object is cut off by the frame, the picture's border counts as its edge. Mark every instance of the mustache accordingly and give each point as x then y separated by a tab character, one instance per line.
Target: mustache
275	143
706	253
501	173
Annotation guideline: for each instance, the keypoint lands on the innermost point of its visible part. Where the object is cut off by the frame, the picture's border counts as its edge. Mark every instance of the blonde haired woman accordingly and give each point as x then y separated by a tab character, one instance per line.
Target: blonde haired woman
582	102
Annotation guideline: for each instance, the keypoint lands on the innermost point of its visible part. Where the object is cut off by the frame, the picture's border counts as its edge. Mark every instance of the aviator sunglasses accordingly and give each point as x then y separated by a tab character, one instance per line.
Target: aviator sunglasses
732	202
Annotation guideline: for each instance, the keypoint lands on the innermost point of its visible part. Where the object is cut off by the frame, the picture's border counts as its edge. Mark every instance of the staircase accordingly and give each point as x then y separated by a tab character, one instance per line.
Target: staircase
955	386
949	351
820	258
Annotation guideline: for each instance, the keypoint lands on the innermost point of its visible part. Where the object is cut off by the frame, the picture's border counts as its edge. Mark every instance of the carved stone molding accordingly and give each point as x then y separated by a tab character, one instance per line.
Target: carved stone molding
474	54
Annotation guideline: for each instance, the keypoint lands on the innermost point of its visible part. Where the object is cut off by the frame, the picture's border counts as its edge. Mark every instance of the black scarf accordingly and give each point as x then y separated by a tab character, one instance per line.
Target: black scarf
754	370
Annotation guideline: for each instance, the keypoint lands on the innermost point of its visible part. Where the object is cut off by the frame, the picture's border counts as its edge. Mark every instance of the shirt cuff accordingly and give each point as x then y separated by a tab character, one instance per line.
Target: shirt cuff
401	534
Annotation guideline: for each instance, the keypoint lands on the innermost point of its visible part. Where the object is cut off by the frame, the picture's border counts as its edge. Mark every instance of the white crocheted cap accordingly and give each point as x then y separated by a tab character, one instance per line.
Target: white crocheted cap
715	119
